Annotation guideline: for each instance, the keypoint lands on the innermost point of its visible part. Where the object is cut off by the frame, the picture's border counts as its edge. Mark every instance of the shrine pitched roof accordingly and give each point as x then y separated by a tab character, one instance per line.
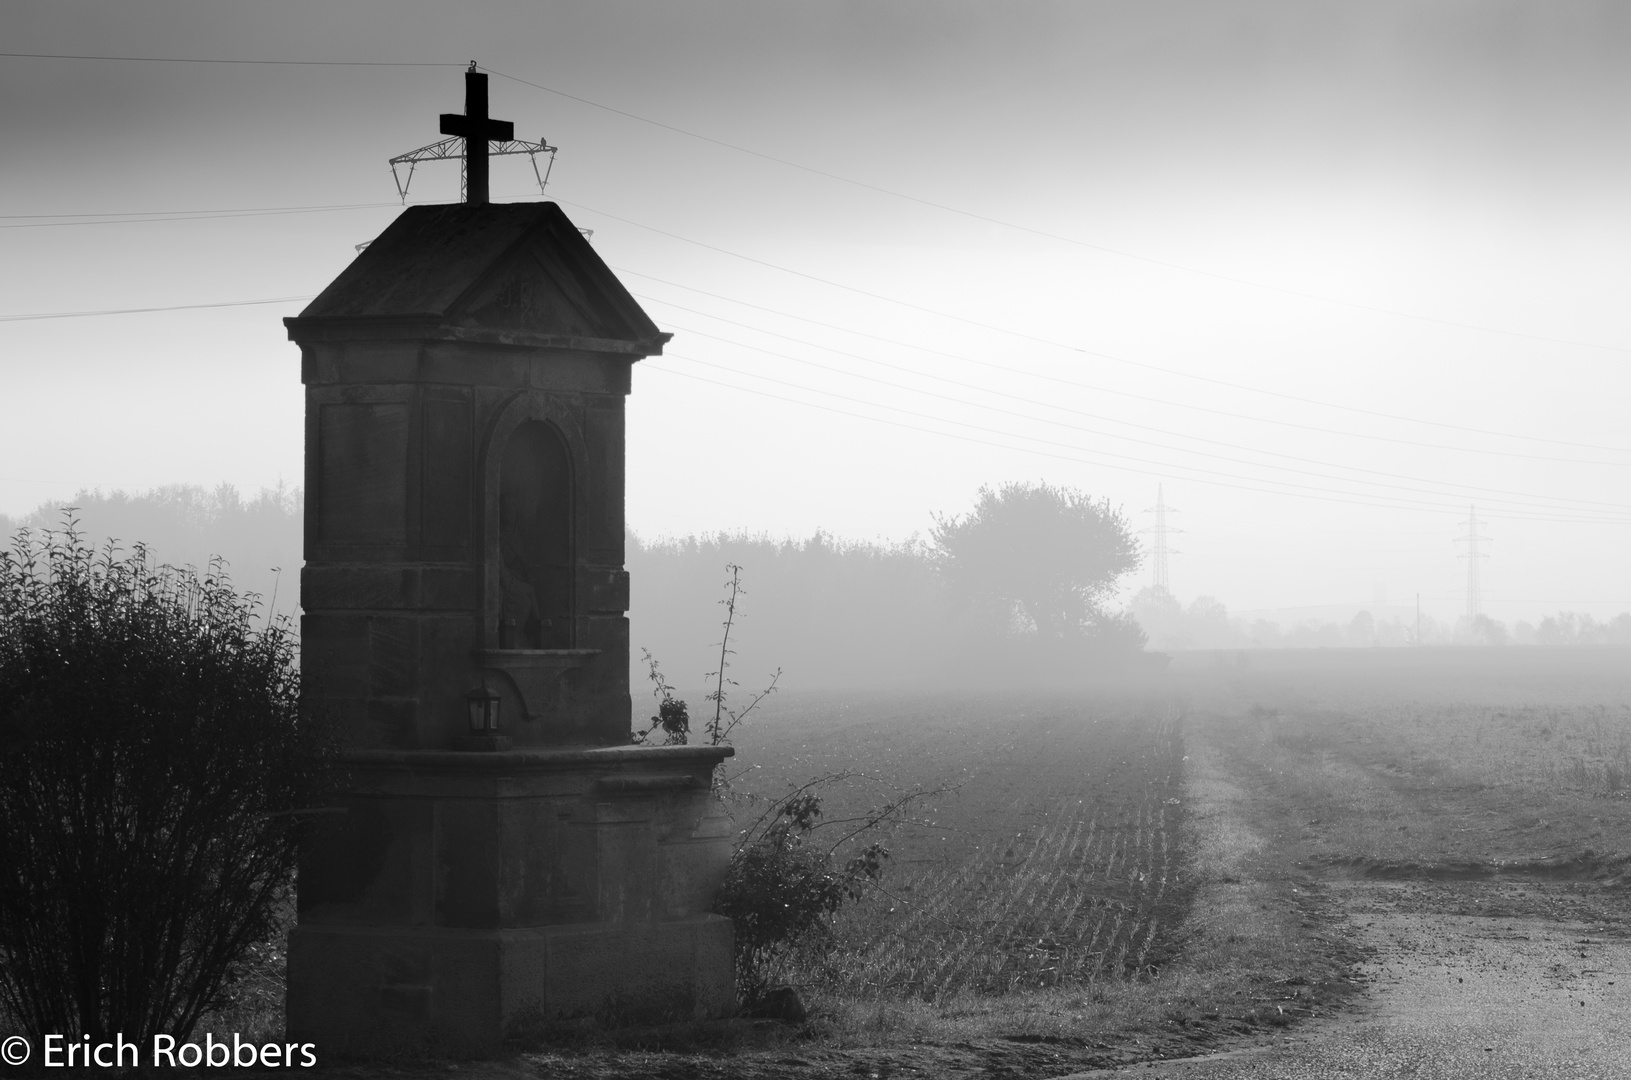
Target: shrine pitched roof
505	273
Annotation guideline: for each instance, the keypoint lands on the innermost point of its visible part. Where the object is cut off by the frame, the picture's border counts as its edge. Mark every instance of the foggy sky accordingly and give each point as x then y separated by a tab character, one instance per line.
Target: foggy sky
1416	210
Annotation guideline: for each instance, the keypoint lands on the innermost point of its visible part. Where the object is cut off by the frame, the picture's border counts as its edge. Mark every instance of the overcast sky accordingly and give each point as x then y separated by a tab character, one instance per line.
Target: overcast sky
1328	272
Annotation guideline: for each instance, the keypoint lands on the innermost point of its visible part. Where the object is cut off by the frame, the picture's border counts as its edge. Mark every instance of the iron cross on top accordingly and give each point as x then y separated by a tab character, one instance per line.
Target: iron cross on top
476	128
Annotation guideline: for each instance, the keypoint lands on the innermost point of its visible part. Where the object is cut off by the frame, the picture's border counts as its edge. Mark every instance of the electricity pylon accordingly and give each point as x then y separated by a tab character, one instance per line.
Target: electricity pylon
1161	530
1472	556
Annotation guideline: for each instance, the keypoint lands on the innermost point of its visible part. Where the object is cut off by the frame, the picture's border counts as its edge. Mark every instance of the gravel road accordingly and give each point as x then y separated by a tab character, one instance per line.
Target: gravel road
1456	996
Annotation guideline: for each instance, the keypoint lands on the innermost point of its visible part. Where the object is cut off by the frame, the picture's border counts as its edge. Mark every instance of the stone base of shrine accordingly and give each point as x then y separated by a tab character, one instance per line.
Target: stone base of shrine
377	992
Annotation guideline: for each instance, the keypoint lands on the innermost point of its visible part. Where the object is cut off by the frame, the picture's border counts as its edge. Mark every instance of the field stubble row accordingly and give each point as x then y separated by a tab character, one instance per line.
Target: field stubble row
1054	861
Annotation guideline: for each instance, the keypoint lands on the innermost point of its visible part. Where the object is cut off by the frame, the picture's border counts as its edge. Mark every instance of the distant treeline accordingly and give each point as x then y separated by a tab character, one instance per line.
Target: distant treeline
828	612
186	525
1205	623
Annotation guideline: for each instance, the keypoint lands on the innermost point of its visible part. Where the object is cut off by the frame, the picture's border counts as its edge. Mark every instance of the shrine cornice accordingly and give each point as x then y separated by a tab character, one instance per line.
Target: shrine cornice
541	759
331	328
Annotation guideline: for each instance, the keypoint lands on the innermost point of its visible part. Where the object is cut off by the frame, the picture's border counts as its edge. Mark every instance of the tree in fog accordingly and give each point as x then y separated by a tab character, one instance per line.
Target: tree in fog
1572	628
1481	630
1043	557
1162	617
1204	624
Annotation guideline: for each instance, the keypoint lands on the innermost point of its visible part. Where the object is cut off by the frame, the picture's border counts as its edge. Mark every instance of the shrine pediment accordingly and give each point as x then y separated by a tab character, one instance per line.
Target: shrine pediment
511	273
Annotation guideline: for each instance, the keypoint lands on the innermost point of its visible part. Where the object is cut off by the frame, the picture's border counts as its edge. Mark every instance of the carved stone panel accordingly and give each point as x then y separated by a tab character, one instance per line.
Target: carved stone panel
363	449
448	472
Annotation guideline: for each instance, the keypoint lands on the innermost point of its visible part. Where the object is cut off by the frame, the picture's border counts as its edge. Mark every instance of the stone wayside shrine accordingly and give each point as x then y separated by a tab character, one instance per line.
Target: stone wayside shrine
505	858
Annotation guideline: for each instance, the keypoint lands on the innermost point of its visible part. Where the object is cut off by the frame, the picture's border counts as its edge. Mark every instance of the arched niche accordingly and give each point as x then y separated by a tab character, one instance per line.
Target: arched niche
556	418
537	493
535	572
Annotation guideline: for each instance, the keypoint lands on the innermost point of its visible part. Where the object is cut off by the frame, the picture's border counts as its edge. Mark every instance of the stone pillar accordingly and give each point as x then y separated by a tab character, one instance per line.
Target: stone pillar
465	383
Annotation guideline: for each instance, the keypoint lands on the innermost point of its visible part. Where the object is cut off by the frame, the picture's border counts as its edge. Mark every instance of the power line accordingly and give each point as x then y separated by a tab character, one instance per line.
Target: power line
116	217
1165	402
234	210
1414	504
977	441
288	299
910	389
1031	230
1311	493
124	217
220	60
1528	512
136	217
1526	500
1074	348
878	188
1078	412
1283	487
144	310
1521	495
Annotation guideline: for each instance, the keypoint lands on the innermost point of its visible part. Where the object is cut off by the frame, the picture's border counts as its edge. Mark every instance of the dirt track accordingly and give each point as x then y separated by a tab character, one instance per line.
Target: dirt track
1526	991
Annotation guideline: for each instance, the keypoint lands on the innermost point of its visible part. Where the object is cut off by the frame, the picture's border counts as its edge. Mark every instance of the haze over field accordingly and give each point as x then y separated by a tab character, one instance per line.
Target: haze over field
1330	273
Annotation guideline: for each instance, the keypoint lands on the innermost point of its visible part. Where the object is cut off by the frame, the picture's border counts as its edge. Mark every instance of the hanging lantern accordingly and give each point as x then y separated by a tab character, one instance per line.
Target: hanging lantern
483	704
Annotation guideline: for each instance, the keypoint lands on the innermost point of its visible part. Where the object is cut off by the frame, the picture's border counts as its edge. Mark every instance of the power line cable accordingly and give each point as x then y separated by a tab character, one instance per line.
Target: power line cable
1364	498
137	216
1076	348
9	221
878	188
1518	511
264	210
1527	500
144	310
1368	503
984	442
895	385
220	60
1068	382
959	401
203	215
988	219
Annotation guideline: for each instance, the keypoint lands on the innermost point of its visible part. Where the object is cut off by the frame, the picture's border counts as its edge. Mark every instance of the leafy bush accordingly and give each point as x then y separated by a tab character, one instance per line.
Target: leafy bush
156	766
673	717
782	889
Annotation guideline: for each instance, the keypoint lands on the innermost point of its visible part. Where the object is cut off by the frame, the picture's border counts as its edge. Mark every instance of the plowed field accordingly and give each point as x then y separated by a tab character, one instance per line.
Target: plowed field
1053	859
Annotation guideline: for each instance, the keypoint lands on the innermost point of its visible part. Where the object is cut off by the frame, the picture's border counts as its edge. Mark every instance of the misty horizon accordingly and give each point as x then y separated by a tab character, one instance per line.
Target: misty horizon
816	607
1336	280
